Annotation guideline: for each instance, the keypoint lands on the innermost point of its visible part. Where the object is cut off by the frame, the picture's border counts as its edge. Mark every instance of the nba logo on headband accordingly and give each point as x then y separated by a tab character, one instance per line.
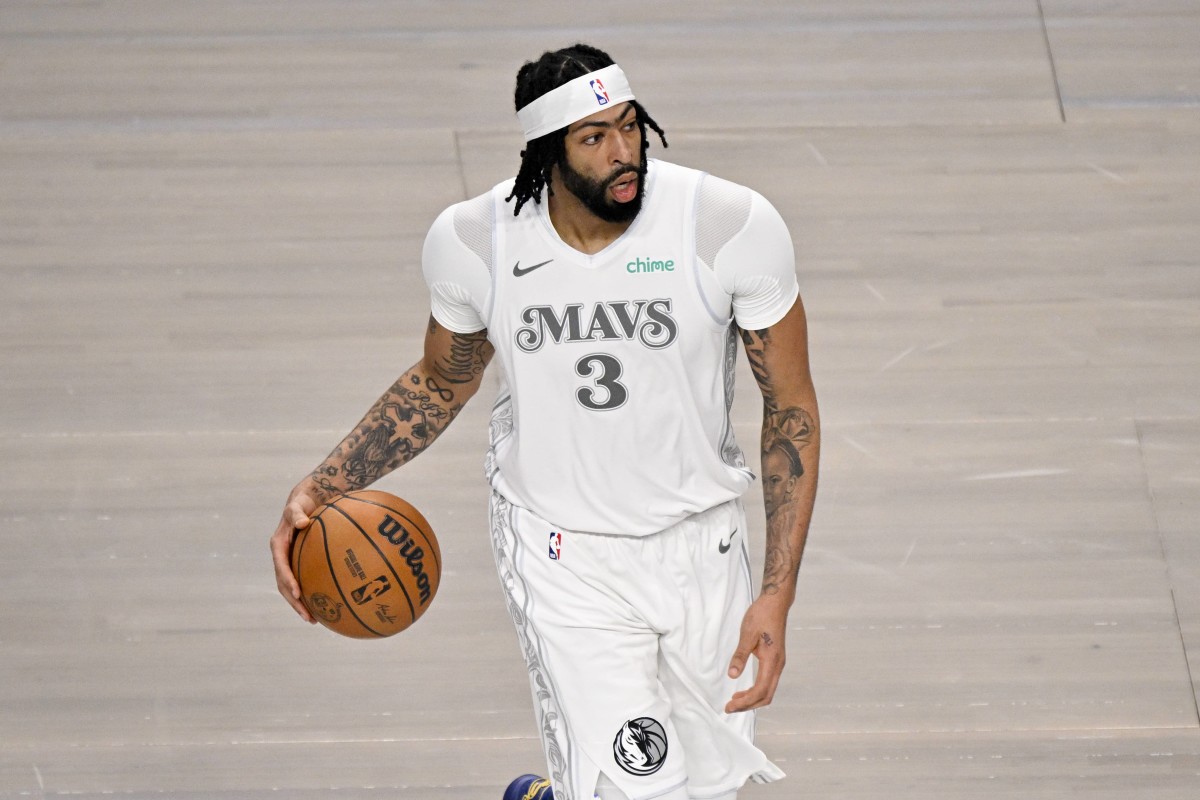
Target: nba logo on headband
573	101
601	95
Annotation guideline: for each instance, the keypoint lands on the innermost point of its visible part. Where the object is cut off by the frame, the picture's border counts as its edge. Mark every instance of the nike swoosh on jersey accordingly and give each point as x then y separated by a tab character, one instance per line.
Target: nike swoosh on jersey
723	546
519	272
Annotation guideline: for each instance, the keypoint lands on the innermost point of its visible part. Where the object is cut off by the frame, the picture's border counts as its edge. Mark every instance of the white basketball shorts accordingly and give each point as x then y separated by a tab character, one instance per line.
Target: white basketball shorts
628	640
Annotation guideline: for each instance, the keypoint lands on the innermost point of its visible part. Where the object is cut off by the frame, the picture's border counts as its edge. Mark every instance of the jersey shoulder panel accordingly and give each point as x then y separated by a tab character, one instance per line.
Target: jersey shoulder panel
746	242
456	261
722	210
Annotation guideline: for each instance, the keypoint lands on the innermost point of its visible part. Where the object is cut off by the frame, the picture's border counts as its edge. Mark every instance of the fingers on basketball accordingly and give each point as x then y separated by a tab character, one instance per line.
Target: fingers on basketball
368	564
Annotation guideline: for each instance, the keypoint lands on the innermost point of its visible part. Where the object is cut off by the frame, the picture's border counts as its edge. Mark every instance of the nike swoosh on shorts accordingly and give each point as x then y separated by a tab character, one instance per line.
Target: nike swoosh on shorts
723	546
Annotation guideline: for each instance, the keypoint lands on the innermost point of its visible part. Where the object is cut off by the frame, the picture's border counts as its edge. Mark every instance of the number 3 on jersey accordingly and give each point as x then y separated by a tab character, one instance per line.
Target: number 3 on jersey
606	392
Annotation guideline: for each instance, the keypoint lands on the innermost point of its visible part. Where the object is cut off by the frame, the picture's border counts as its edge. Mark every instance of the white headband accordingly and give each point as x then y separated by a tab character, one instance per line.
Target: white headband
574	100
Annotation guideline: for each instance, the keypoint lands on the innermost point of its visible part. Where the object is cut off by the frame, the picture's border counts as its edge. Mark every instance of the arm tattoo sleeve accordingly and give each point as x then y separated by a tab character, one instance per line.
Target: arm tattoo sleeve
409	416
468	356
788	430
756	342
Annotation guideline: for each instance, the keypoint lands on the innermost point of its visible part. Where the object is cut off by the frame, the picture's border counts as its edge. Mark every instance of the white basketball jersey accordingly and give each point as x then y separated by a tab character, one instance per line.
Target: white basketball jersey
618	367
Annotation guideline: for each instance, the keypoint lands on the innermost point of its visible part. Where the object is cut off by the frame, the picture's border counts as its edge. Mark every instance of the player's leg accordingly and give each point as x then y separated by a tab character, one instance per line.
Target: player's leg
592	658
707	558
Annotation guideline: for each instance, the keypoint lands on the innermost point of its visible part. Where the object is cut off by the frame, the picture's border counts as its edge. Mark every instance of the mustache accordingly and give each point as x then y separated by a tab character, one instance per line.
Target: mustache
620	172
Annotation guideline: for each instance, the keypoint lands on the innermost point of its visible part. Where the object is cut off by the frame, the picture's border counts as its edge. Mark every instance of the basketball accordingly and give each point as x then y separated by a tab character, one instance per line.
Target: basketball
368	565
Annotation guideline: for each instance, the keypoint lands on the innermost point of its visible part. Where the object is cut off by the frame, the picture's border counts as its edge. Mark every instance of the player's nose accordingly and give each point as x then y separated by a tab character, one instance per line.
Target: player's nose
622	152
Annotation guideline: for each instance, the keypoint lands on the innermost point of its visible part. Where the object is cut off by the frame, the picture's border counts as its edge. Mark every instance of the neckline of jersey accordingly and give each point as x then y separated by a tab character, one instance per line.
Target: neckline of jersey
593	260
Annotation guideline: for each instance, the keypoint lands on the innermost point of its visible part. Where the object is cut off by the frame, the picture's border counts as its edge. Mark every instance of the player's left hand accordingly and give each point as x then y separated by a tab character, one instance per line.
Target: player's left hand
763	629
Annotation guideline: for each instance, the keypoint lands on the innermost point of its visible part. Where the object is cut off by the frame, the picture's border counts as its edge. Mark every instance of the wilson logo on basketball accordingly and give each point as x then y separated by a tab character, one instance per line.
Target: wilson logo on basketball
413	555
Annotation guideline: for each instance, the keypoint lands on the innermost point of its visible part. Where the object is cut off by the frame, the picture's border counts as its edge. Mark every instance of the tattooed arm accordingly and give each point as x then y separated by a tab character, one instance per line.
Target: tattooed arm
791	445
404	421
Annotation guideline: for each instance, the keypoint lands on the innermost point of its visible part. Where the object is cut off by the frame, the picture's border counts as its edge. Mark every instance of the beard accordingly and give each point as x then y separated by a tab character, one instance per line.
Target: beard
594	193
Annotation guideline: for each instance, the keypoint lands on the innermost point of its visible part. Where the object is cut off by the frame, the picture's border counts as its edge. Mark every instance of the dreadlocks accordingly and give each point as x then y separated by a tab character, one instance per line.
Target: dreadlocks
540	155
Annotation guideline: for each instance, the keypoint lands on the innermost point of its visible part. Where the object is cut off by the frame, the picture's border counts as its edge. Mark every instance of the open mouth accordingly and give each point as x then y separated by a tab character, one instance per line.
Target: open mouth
625	189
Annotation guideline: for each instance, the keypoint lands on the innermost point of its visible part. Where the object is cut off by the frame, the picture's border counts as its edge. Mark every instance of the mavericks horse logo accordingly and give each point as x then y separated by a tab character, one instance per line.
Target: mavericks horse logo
641	746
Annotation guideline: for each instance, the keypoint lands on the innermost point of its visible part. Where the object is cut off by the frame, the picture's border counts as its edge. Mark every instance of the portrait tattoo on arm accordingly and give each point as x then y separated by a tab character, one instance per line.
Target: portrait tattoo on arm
786	432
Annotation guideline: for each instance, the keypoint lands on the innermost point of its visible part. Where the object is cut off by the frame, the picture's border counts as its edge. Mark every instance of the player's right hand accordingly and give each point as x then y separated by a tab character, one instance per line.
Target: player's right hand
295	517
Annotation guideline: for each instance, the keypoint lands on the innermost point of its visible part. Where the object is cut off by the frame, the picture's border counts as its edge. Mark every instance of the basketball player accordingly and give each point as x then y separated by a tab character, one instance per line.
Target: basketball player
612	289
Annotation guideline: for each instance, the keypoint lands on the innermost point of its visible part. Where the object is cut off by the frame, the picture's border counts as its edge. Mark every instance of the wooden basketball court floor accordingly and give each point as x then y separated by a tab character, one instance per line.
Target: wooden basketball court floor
210	222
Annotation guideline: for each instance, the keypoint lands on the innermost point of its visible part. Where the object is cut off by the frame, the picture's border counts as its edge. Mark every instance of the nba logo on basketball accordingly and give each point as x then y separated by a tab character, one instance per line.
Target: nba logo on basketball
555	546
601	95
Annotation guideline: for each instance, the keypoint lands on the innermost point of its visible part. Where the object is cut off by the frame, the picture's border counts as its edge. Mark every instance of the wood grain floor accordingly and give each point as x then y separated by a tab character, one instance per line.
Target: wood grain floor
210	223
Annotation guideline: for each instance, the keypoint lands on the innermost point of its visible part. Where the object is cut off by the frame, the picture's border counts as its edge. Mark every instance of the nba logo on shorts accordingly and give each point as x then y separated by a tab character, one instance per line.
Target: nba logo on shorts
601	95
555	545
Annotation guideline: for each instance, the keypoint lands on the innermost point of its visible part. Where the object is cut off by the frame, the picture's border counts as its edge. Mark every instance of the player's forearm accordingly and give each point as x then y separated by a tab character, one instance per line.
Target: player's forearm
789	497
402	424
791	446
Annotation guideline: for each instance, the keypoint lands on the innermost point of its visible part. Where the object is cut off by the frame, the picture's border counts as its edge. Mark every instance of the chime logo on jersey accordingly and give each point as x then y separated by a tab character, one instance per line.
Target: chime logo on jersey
647	321
555	545
641	746
650	265
601	94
